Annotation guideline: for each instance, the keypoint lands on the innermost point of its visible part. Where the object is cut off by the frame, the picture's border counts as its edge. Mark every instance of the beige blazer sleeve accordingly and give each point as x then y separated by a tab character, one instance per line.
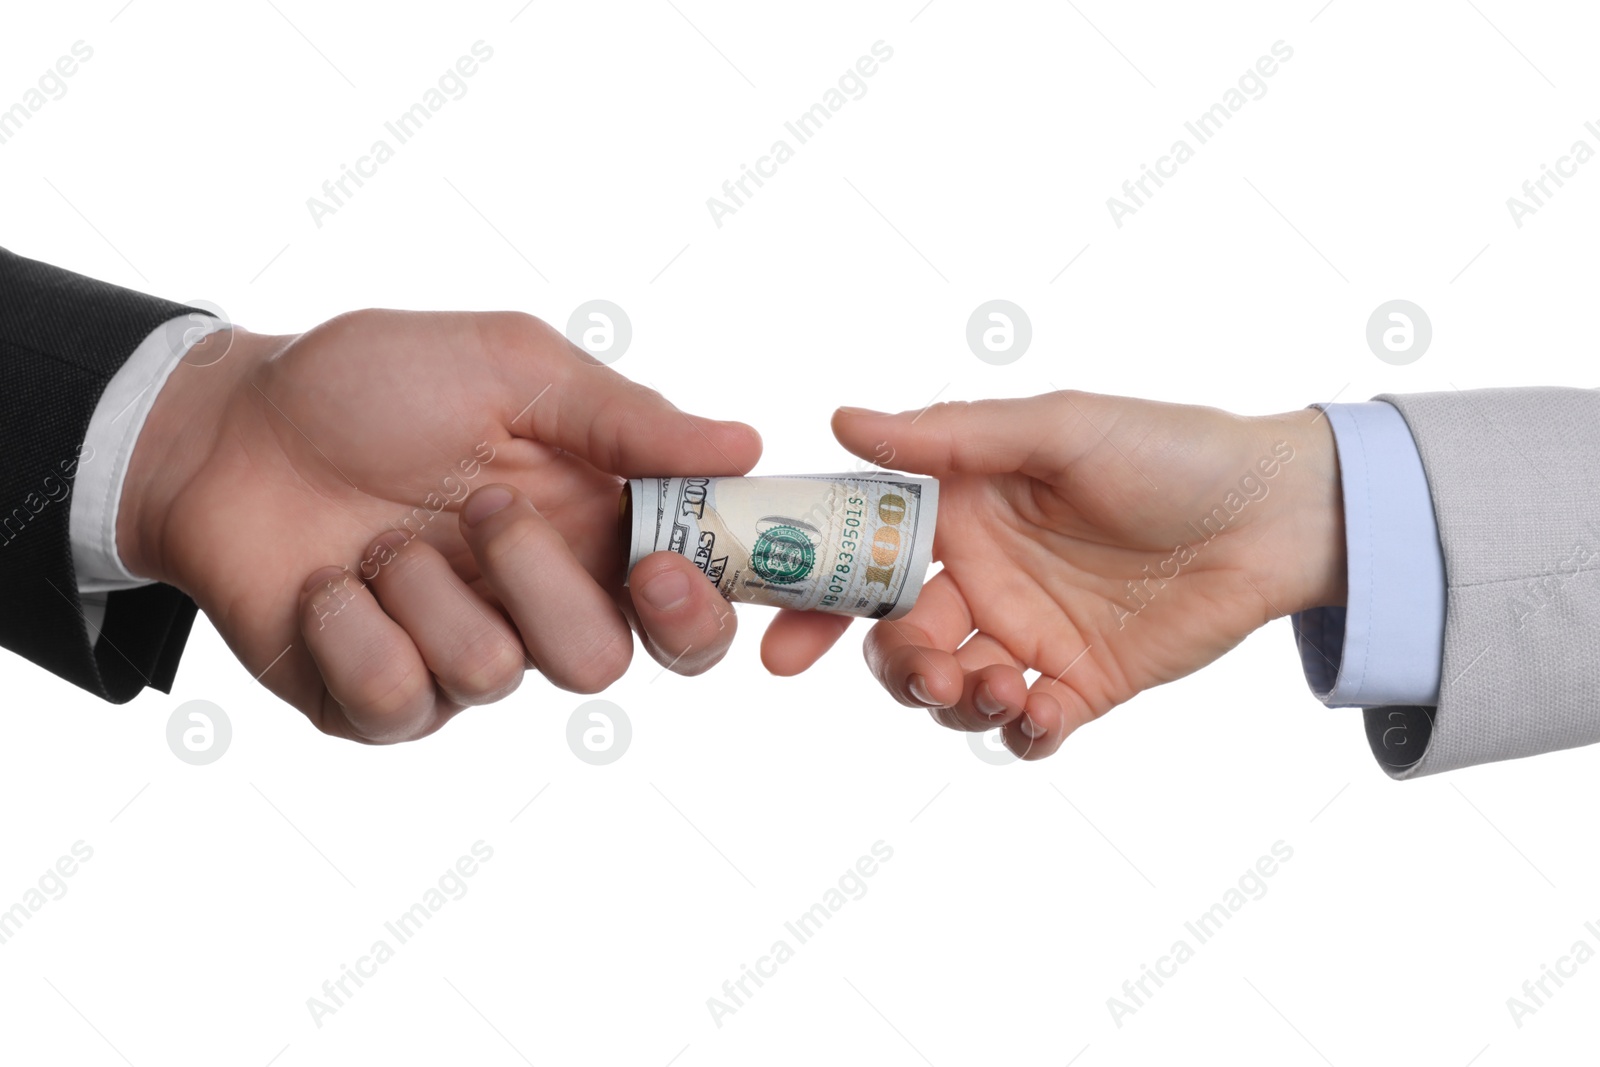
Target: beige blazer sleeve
1515	480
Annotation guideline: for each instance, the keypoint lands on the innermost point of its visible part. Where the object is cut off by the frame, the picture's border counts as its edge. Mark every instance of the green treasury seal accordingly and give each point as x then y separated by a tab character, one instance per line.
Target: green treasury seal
783	555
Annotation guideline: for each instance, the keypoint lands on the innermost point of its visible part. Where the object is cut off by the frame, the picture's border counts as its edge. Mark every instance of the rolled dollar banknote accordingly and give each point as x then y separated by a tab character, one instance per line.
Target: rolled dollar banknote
850	544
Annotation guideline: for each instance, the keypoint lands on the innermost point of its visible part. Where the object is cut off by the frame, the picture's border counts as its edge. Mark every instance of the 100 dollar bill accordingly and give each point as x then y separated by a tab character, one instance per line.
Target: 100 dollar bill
849	544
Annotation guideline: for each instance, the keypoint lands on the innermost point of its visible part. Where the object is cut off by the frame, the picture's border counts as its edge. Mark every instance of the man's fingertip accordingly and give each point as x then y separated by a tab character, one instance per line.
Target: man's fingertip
780	667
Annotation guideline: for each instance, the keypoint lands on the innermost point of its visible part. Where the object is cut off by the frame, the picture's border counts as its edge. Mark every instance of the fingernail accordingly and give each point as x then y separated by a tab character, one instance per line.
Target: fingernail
919	691
485	502
321	577
1031	728
986	702
666	591
860	411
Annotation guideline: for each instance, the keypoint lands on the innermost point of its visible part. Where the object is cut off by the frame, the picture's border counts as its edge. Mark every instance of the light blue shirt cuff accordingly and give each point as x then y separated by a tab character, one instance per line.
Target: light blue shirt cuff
1385	647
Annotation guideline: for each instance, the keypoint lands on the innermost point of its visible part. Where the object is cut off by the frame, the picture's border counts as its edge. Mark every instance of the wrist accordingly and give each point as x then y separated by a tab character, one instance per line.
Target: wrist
1303	556
180	433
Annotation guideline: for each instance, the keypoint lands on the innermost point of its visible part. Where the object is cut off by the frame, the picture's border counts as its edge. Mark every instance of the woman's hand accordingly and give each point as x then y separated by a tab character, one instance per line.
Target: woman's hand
1110	544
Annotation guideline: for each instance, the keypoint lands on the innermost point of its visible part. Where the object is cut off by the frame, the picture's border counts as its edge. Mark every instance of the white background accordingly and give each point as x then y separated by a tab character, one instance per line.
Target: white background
977	166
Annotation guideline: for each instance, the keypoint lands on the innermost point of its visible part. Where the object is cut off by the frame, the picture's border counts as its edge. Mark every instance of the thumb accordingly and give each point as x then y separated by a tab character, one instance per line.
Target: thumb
1038	436
631	430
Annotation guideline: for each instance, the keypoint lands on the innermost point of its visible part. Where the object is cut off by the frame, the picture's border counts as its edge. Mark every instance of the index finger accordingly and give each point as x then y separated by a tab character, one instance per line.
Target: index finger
795	640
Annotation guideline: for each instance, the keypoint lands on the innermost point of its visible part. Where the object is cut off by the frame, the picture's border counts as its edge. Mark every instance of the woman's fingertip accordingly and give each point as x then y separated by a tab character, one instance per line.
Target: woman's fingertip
986	702
917	686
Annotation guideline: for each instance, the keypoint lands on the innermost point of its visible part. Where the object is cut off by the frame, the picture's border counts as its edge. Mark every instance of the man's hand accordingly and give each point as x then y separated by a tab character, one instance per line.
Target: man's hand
311	493
1109	544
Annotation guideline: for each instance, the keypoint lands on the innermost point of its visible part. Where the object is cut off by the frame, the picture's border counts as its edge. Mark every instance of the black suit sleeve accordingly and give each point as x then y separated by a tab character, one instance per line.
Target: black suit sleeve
62	339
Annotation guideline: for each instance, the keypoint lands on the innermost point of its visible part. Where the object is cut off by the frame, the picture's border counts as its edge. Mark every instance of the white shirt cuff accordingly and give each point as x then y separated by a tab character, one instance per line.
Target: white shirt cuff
107	449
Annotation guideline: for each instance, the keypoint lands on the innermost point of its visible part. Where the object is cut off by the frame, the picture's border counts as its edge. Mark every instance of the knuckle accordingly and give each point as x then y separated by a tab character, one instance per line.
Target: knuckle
519	331
354	319
530	323
1066	406
519	325
957	413
512	335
